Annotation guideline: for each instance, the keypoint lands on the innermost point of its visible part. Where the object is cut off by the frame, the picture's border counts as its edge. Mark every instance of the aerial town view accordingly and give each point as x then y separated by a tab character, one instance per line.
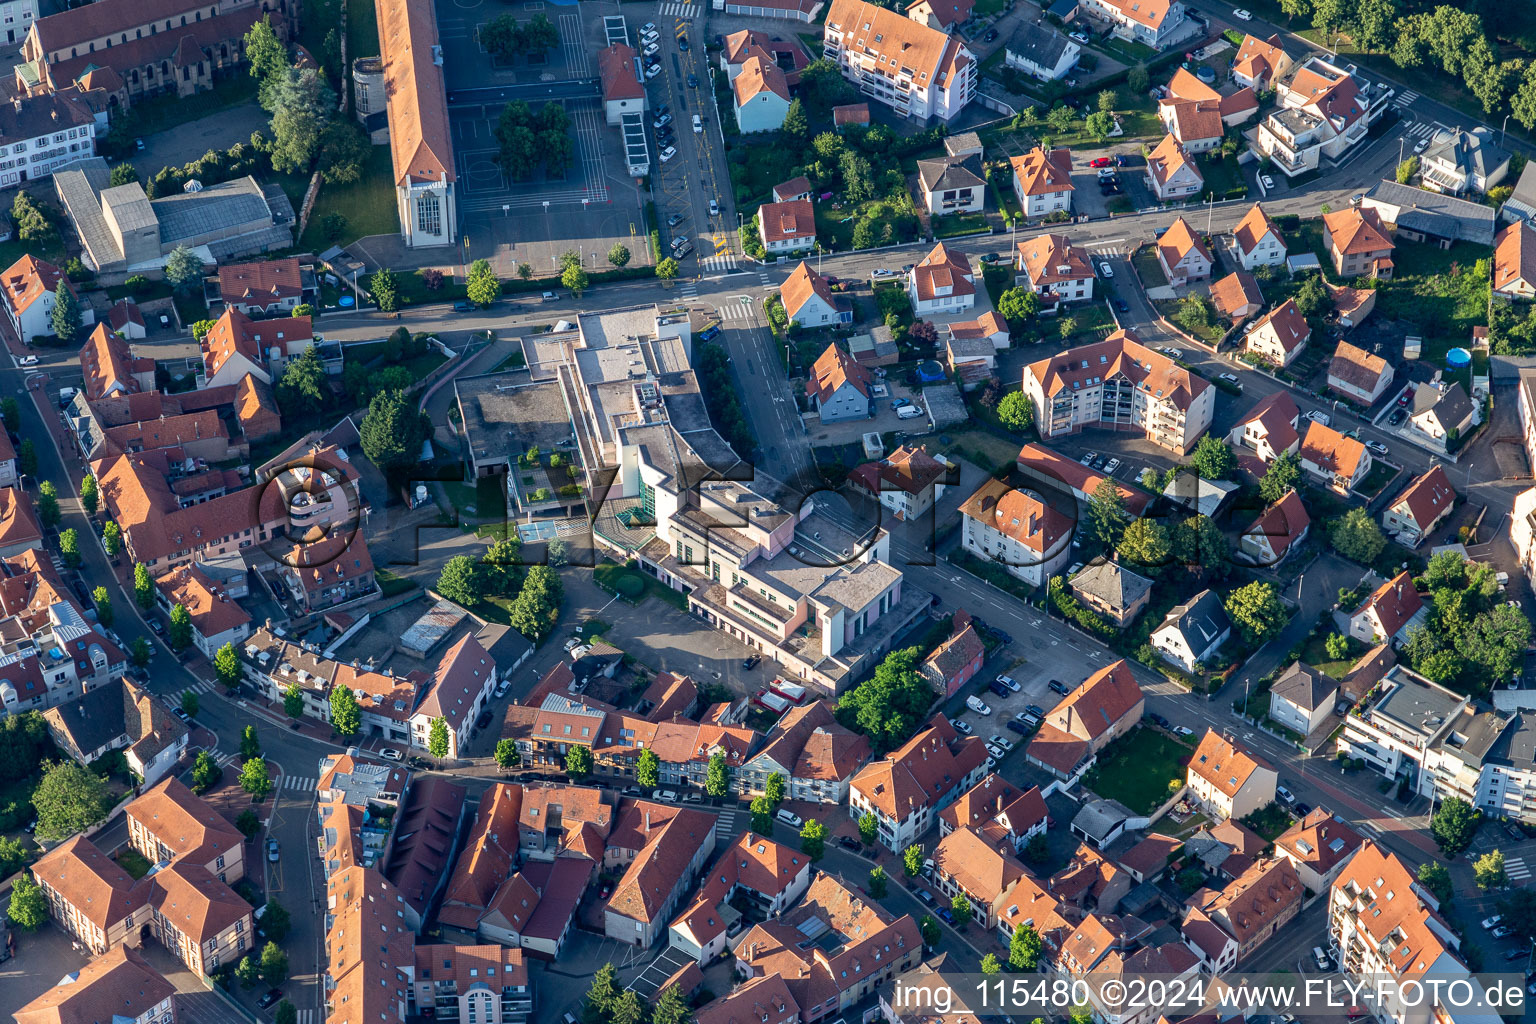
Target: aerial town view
767	512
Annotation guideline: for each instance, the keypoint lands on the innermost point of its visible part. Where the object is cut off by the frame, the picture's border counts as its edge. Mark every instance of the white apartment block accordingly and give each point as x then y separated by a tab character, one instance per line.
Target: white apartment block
917	71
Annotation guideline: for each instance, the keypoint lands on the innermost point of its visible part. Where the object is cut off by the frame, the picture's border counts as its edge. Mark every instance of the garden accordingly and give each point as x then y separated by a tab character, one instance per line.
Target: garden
1140	770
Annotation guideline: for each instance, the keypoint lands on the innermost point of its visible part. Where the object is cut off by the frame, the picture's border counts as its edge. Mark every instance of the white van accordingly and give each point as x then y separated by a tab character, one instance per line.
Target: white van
977	705
789	818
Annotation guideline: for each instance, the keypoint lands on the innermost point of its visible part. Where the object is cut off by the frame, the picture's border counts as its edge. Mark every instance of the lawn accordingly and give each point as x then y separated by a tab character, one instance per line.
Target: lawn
1435	290
1148	268
362	29
1209	333
956	224
1380	475
1140	769
635	586
1316	655
135	863
1223	178
368	205
1091	322
1269	822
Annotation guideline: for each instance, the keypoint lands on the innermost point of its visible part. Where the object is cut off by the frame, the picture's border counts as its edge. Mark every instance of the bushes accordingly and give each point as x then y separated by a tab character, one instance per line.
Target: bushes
1072	610
724	403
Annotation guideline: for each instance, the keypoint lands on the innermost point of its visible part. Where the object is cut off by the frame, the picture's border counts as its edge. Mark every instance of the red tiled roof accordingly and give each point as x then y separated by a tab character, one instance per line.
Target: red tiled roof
421	146
1427	498
1357	230
1396	602
1282	523
1514	256
1233	292
781	222
832	370
616	67
1250	231
25	281
1039	172
943	269
1222	763
1331	451
261	283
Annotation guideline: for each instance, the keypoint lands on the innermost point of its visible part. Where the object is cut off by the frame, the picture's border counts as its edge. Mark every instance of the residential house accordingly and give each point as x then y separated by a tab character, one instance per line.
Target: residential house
786	227
618	67
1521	204
1514	261
1268	430
1277	532
1119	384
1042	181
1259	241
908	481
1358	243
1335	460
420	136
1237	295
809	301
1155	23
1441	413
817	756
941	282
1016	530
1302	698
236	346
755	870
906	789
121	987
170	824
1421	216
1182	254
1244	915
1171	174
745	44
216	618
265	288
963	144
118	715
999	812
109	367
952	184
1279	336
1227	780
664	848
1111	591
8	478
1260	62
761	96
956	661
1463	161
1420	508
29	286
461	687
794	188
966	864
944	15
971	348
1193	632
1389	611
838	387
1319	846
937	73
765	999
1359	375
1351	305
1053	268
1041	51
1102	708
1198	116
1323	112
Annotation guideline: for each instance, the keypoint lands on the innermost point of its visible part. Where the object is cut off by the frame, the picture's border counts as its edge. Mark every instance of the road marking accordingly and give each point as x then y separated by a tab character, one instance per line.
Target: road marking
1516	868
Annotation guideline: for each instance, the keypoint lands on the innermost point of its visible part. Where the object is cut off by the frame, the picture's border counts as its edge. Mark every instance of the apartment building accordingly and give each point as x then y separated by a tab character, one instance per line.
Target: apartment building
1102	708
470	985
120	986
1015	529
965	864
906	789
1042	181
766	875
765	999
907	482
1054	269
662	849
999	812
1318	845
169	823
817	756
1119	384
1227	780
216	619
28	287
917	71
44	133
1323	112
117	715
52	654
1243	915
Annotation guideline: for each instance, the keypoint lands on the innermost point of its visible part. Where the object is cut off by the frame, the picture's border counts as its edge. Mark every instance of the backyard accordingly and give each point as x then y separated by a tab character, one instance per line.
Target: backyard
1141	769
368	205
1316	654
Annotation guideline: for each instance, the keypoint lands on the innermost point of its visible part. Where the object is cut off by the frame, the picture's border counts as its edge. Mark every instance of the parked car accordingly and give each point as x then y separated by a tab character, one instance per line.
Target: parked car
1111	466
1158	720
1490	923
649	28
789	817
662	121
1001	741
1267	182
1242	14
947	915
668	153
682	43
651	49
698	124
850	843
390	753
549	296
1317	416
28	360
1378	447
154	624
1087	460
1022	724
710	333
1121	306
997	752
991	35
1284	795
1398	415
1057	686
1183	730
1081	37
752	661
1512	830
1321	959
1102	161
269	997
1518	953
1230	378
1503	931
978	705
652	70
482	720
714	208
1302	810
272	854
1009	682
961	726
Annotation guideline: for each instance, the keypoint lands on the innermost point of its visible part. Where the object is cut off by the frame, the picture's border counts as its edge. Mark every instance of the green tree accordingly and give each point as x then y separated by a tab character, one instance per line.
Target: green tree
183	269
1037	850
482	286
796	124
385	289
393	430
226	666
879	885
960	906
648	769
103	602
26	458
1257	611
1107	517
179	635
1281	476
1213	459
1436	877
1137	80
112	538
575	278
302	390
1145	542
90	497
68	799
274	964
65	318
123	174
459	581
29	907
507	756
1453	825
69	547
1522	104
344	152
774	788
190	704
1337	646
1024	948
929	926
293	700
437	738
601	995
619	255
140	652
346	717
537	606
912	860
1100	124
717	776
1356	536
869	827
990	964
250	743
886	707
1488	871
1016	412
13	856
1060	119
266	53
1018	304
254	779
46	505
1407	169
248	971
671	1007
578	762
667	269
205	772
248	823
627	1009
813	839
301	105
762	816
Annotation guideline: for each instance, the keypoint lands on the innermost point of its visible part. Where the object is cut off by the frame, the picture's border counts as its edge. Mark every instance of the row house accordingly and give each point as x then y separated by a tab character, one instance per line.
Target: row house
1319	846
663	849
766	875
1229	925
907	789
817	756
470	985
216	618
966	864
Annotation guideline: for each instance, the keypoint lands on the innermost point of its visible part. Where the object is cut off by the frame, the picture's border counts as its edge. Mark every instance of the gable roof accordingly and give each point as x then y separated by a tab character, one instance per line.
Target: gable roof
1331	451
92	883
1017	514
462	674
183	823
1224	764
1179	241
421	147
950	172
117	986
810	742
759	75
951	657
1039	43
909	468
1427	497
995	805
1395	602
920	771
1256	899
978	867
943	268
1168	159
107	362
934	56
621	79
1289	326
1040	172
1236	290
261	283
834	368
1431	213
1514	256
1320	840
1355	366
850	113
780	222
1051	258
794	187
1122	353
1200	620
26	280
1250	231
1259	58
1282	523
235	332
1357	230
802	283
1150	13
1305	687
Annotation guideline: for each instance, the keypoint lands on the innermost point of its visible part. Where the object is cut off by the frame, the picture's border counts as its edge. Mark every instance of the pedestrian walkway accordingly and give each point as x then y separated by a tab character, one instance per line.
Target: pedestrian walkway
309	1017
723	261
299	784
688	290
683	11
1407	98
1419	130
762	275
1516	869
204	686
725	826
735	311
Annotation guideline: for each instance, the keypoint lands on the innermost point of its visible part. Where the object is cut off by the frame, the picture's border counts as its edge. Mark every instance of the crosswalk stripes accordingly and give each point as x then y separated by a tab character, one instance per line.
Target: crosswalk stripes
1405	98
723	261
307	1016
1419	130
735	311
678	10
1516	869
298	783
726	824
762	275
689	290
203	686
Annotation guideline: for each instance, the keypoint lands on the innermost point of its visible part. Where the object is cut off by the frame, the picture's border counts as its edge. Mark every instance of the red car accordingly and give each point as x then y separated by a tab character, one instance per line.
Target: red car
1102	161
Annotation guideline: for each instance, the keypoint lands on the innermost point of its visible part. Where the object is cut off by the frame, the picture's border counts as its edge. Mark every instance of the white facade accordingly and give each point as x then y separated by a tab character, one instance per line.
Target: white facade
428	213
16	17
762	113
1131	19
1016	558
30	159
1267	251
871	61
